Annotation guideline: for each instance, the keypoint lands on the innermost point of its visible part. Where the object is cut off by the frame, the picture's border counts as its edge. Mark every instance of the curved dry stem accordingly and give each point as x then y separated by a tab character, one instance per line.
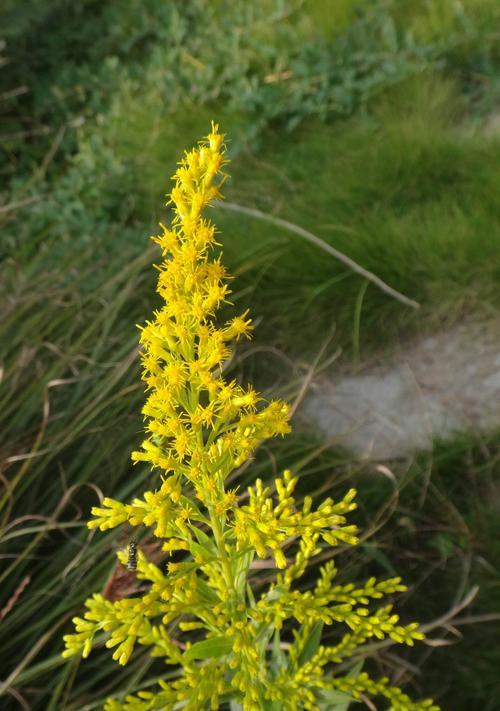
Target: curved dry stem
318	242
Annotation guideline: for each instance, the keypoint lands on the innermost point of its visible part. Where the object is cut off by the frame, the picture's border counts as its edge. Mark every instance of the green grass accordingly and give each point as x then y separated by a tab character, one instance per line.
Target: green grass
397	174
407	193
443	540
70	399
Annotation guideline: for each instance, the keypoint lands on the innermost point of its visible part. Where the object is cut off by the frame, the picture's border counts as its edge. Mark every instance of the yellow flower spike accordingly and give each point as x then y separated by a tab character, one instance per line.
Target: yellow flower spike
199	429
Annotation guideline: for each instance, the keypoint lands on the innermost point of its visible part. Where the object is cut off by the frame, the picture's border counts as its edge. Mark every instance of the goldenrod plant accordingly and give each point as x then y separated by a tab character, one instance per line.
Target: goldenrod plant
208	614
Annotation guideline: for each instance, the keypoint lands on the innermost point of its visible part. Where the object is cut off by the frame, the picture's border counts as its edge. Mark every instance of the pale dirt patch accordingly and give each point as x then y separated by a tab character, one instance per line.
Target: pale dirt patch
433	387
492	124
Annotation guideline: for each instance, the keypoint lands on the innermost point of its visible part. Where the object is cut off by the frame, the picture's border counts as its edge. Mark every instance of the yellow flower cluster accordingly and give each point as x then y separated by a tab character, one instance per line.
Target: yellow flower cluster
266	527
206	613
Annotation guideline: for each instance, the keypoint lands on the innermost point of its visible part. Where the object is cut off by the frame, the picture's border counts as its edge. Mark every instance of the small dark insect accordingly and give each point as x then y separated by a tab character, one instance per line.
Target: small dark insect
132	555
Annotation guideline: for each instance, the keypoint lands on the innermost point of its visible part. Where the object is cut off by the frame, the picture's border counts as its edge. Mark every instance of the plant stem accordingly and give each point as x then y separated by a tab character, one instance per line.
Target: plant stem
221	546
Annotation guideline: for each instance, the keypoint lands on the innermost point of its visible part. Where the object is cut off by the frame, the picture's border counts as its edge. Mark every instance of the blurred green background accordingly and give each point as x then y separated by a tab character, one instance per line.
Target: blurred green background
373	124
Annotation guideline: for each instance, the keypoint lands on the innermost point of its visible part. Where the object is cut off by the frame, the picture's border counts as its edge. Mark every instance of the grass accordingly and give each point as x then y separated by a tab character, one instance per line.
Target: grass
399	176
75	380
406	193
442	539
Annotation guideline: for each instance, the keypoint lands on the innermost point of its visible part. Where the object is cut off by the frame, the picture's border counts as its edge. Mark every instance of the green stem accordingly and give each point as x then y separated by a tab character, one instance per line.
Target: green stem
357	320
221	547
214	520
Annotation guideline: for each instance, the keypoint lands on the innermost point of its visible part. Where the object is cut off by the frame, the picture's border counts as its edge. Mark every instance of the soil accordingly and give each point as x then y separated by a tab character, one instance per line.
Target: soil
432	388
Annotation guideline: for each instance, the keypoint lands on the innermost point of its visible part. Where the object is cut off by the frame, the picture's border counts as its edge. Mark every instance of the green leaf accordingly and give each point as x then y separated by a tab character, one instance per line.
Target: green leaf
278	659
201	551
311	644
356	669
276	592
267	705
332	700
204	540
240	570
250	595
206	592
209	648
